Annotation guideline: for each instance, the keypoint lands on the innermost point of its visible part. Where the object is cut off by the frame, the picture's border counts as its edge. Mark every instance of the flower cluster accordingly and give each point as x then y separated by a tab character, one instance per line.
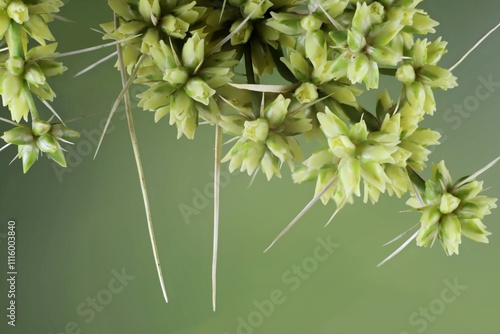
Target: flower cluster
209	62
327	53
451	209
23	76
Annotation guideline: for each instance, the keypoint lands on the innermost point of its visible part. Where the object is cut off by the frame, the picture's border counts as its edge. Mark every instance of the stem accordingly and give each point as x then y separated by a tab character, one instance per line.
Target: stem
140	171
248	65
14	40
250	74
16	49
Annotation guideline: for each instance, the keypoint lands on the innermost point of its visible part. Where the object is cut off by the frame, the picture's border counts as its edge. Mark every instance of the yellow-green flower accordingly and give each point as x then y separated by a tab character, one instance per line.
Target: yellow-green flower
450	210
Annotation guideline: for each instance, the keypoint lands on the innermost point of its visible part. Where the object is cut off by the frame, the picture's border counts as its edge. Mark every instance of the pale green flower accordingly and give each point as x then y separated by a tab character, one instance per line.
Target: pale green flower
450	210
42	137
272	136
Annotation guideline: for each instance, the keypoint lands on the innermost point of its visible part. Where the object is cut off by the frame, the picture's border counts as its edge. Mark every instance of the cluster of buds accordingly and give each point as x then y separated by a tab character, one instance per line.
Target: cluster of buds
41	137
324	54
451	209
185	85
329	51
267	141
146	22
23	76
33	16
19	76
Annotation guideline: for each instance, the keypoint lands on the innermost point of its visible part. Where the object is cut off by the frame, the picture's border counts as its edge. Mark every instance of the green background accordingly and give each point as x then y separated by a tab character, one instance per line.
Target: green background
76	227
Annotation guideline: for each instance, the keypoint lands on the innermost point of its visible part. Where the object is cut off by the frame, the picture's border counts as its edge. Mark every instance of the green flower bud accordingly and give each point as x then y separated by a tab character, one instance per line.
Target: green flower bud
20	135
28	154
58	156
475	230
435	76
361	20
384	55
371	78
310	23
441	174
423	24
406	74
435	51
419	53
40	128
47	143
426	235
355	40
349	174
358	67
15	65
243	34
270	165
18	11
34	75
193	52
319	159
358	132
338	37
450	232
415	94
150	10
377	12
257	130
253	153
448	203
250	5
60	131
468	190
276	111
174	26
198	90
183	114
383	34
277	144
306	93
286	23
342	147
374	152
299	66
374	175
315	48
331	125
177	77
430	216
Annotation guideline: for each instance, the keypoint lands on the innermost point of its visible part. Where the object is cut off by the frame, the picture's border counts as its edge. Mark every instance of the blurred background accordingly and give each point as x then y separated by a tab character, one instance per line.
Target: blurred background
84	258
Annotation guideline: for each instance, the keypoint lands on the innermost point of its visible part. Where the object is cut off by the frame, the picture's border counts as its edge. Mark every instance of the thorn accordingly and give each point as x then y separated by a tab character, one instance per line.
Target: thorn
303	212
